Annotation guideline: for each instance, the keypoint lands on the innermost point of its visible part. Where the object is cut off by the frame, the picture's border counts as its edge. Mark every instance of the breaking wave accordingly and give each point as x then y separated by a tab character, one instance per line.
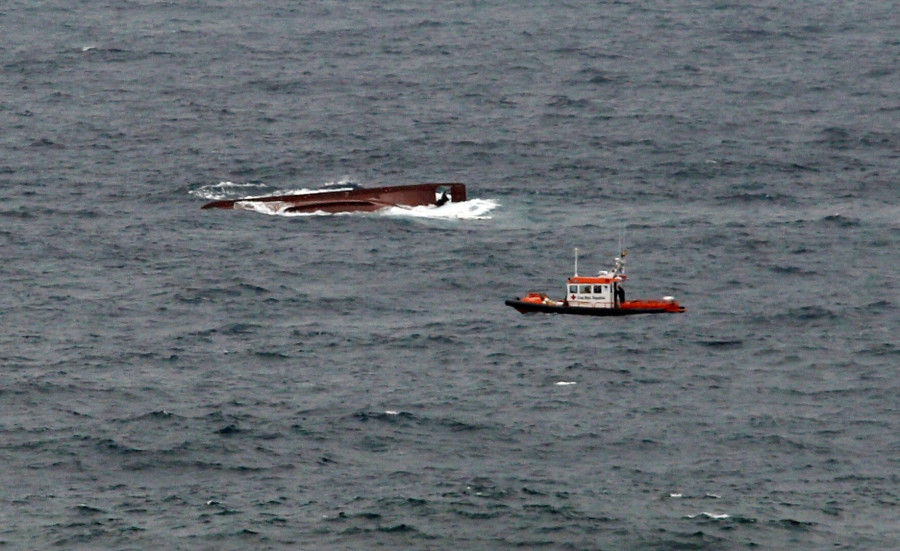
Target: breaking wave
473	209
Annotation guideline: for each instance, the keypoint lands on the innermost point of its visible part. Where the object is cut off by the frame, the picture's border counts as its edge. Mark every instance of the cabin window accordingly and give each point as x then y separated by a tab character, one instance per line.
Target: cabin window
598	289
585	289
573	289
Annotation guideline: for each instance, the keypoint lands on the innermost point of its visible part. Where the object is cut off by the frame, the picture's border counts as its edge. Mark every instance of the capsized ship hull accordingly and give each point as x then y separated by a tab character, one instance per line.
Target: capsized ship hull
353	200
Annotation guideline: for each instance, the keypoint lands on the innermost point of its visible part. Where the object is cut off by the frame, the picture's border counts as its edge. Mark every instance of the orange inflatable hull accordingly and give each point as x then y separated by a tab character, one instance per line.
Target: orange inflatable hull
529	305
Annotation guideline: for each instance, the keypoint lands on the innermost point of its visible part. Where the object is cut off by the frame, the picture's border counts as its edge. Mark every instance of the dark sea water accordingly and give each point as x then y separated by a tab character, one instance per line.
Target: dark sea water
182	379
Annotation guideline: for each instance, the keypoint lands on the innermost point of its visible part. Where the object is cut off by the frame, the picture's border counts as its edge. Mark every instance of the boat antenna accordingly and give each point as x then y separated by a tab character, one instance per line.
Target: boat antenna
576	262
620	262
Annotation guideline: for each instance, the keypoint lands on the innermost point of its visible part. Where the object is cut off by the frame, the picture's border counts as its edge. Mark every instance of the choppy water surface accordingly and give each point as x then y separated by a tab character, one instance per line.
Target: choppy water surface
186	379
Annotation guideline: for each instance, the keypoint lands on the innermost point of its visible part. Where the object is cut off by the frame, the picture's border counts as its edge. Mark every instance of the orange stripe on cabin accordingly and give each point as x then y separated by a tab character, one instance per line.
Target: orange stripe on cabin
600	280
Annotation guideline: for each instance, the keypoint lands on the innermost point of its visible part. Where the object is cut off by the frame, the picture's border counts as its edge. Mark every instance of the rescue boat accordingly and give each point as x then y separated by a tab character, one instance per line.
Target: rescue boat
600	295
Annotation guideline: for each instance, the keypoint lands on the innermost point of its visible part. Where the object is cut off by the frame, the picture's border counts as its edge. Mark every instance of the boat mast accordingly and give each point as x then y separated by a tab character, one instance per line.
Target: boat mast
620	264
576	262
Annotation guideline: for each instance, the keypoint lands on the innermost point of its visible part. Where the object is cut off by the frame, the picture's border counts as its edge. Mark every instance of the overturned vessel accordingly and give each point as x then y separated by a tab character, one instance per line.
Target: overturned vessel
350	200
600	295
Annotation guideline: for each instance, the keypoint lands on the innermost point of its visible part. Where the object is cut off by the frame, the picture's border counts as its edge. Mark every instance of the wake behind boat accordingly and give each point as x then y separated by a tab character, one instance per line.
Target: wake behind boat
351	200
601	295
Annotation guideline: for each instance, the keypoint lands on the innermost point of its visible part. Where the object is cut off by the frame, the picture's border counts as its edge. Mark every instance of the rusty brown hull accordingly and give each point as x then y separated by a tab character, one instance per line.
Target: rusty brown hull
354	200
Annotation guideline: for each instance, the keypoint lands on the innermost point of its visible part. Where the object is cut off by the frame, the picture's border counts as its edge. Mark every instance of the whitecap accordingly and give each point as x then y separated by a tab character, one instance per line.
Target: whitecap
713	516
224	190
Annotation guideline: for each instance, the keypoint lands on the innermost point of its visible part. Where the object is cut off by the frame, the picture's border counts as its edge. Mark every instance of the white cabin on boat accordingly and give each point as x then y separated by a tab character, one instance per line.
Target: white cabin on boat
601	291
595	292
